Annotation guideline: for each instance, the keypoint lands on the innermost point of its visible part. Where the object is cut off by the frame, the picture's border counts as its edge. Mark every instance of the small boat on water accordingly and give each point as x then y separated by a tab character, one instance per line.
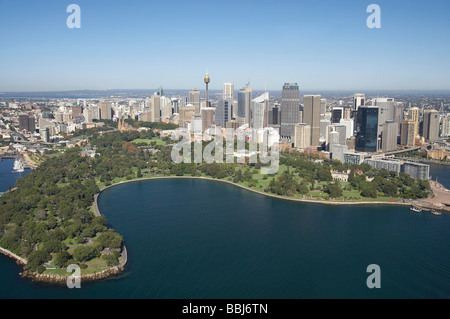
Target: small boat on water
415	209
434	212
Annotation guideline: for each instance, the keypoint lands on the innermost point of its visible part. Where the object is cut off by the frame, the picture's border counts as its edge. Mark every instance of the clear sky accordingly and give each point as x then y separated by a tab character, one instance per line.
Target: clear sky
137	44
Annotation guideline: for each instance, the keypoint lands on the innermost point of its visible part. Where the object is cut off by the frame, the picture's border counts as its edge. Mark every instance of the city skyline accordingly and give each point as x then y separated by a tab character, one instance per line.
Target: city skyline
321	46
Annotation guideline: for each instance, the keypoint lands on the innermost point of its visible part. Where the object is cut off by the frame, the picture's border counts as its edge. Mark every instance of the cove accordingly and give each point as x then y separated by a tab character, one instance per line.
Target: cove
190	238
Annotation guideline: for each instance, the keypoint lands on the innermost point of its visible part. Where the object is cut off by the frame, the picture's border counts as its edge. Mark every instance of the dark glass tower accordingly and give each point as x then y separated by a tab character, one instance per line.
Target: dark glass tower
367	129
290	107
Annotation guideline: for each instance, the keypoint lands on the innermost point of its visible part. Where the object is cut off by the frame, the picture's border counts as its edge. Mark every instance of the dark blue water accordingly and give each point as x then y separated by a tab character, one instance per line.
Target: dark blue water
442	173
206	239
7	176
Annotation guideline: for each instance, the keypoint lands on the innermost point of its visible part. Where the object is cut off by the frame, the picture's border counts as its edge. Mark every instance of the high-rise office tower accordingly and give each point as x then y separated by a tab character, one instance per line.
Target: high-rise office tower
244	99
333	139
258	113
302	135
77	110
323	106
105	110
196	123
228	94
414	115
342	130
445	126
431	120
23	122
186	113
27	123
389	136
398	115
337	113
347	113
359	99
408	133
228	91
323	129
290	105
311	116
155	108
31	124
348	123
367	129
223	112
387	110
194	99
274	116
207	117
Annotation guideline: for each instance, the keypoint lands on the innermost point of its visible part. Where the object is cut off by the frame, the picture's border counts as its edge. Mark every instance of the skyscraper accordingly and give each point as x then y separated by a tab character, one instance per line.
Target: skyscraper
387	110
155	110
27	123
337	113
408	133
244	99
228	90
389	136
223	112
323	106
431	119
258	108
105	110
311	116
186	113
207	117
290	105
358	100
77	110
367	129
194	99
445	126
302	135
414	115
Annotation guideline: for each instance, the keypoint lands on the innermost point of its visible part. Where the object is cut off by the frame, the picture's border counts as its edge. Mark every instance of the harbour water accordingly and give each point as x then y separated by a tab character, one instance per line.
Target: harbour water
206	239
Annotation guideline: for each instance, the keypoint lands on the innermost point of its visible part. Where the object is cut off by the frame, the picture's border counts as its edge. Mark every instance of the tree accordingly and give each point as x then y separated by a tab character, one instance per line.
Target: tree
85	253
61	259
37	258
110	239
333	189
369	191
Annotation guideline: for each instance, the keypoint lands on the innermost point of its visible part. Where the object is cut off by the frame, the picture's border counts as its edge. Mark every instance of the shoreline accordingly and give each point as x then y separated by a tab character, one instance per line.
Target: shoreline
97	211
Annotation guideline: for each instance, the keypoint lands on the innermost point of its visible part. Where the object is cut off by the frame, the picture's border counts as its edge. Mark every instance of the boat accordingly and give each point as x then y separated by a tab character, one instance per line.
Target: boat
18	166
416	209
434	212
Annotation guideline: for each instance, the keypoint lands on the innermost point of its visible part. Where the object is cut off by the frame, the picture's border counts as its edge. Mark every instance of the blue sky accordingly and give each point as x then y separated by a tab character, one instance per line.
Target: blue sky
134	44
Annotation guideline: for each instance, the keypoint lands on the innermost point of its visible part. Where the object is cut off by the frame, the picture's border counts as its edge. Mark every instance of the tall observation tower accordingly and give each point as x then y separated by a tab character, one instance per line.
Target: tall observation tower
207	80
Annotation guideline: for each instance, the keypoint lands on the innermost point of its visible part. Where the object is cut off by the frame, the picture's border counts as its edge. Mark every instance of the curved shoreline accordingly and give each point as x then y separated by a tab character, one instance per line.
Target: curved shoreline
51	278
97	211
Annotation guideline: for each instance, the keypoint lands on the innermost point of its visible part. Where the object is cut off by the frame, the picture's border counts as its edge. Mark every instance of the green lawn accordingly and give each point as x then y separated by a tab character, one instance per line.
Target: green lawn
158	140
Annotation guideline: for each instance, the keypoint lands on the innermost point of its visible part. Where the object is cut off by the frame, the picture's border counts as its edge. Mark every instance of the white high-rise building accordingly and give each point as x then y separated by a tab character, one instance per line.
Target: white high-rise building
194	99
302	135
445	126
358	100
348	123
